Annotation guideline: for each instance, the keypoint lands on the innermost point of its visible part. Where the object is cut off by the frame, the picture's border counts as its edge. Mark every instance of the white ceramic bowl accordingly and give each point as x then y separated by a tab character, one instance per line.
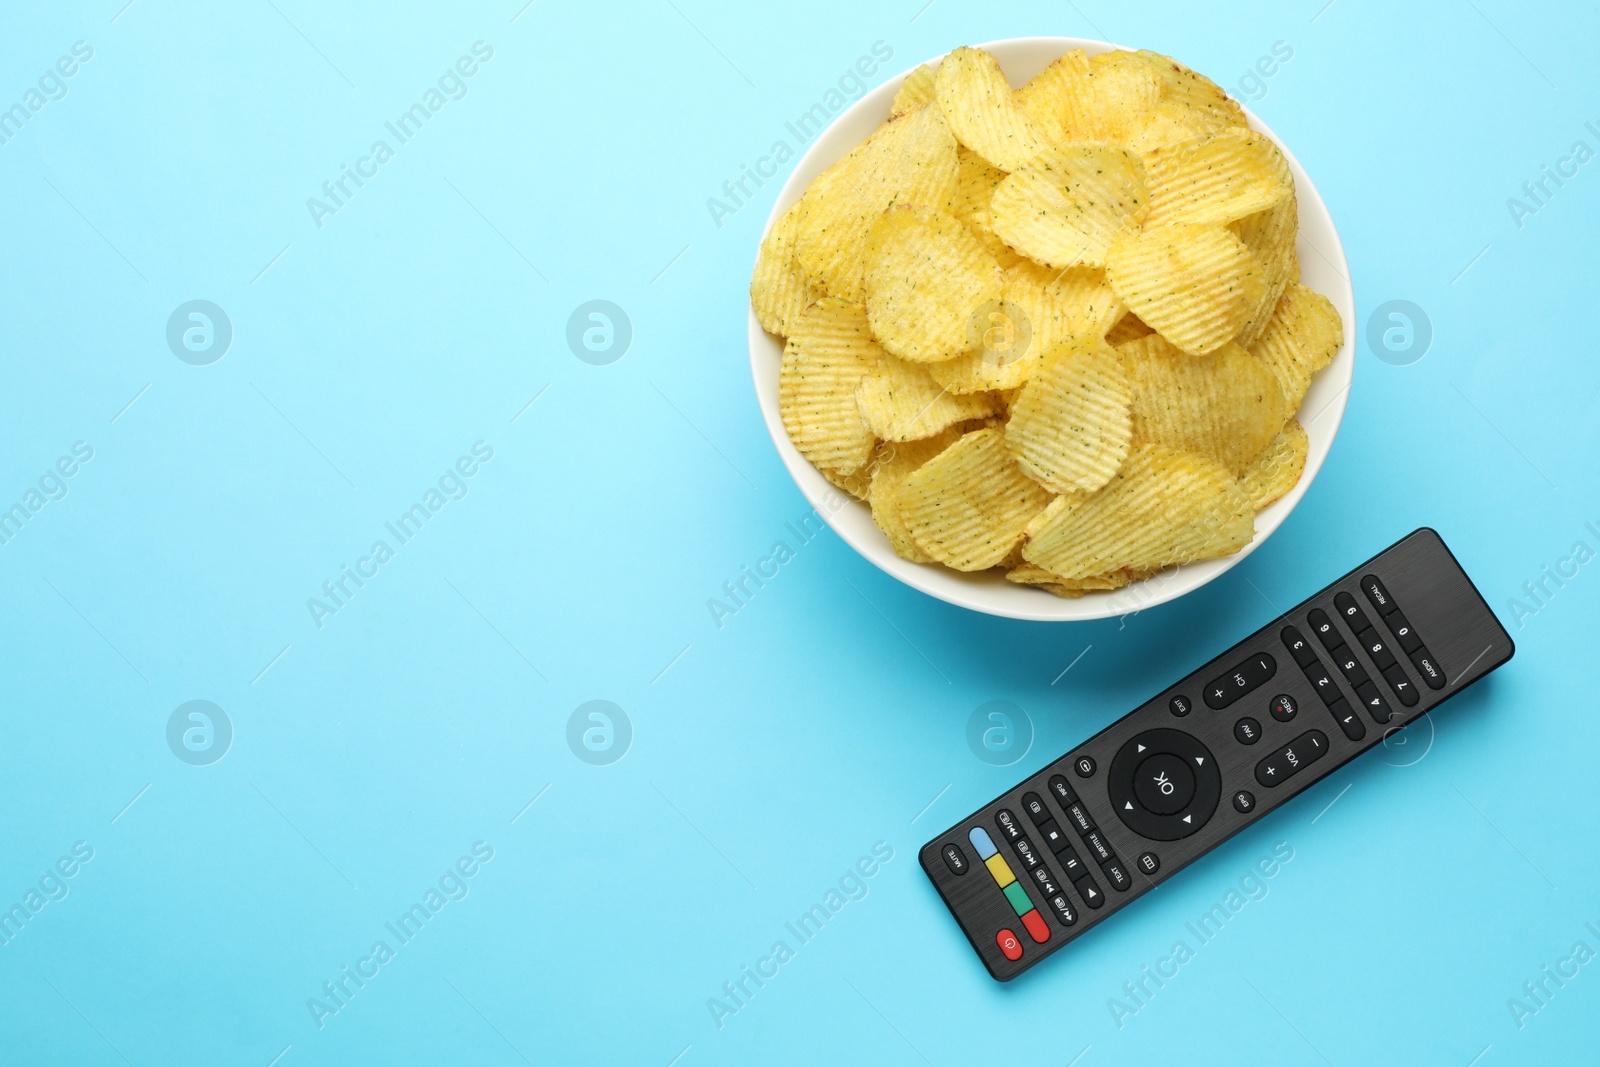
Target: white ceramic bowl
1322	267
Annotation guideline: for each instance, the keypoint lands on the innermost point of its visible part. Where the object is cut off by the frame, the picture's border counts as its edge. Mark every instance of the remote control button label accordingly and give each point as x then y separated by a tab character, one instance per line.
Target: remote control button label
1084	765
1116	875
1288	760
1396	677
1247	731
1220	692
1033	922
1098	847
1347	719
1377	595
1063	909
1377	707
1180	706
1283	707
981	842
1323	627
1297	646
1148	862
1163	784
1351	612
1008	824
1244	802
1068	858
1089	891
1010	947
1377	648
1322	682
1018	897
1033	804
1029	854
1055	838
1403	632
955	859
1000	869
1045	881
1349	666
1062	790
1428	667
1078	816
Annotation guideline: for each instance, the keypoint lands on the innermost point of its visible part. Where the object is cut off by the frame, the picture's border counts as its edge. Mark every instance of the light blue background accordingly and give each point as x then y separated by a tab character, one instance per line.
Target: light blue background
830	712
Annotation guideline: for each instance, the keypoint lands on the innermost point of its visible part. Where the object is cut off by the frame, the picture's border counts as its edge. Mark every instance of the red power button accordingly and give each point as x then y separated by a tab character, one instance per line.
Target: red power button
1009	944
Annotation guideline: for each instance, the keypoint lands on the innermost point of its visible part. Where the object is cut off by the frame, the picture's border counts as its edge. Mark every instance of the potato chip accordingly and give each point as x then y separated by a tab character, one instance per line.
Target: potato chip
1226	406
1163	507
1069	588
982	112
1066	206
858	483
1048	98
1170	122
893	464
1216	177
1303	336
915	91
909	160
1071	427
1111	104
1276	470
976	182
1194	285
926	276
967	506
1128	328
829	351
900	401
1270	236
1194	92
778	289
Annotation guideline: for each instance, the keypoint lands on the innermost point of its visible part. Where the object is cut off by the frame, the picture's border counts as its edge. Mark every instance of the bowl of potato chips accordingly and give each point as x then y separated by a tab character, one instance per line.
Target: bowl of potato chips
1051	329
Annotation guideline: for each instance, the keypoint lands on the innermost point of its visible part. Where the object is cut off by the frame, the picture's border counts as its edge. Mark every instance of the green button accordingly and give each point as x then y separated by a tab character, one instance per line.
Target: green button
1019	898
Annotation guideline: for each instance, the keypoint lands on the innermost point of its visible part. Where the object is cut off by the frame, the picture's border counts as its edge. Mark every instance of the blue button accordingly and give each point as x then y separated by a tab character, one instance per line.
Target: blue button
982	842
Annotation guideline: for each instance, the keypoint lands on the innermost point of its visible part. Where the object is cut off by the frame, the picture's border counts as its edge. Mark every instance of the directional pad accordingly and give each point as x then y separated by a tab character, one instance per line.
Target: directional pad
1164	784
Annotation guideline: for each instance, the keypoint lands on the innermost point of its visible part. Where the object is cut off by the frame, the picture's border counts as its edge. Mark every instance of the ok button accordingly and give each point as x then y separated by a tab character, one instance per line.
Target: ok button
1163	784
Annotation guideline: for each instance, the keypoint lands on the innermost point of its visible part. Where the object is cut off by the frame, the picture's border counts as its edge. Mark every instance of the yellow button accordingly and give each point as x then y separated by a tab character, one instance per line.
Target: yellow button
1002	873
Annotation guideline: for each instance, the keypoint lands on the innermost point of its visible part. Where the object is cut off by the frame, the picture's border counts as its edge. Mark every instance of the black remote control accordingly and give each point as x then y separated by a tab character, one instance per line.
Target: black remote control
1244	734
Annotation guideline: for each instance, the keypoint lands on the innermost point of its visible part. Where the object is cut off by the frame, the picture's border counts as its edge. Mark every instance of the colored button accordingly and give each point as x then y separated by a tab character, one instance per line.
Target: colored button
1009	945
1034	922
1000	869
1018	897
982	843
955	859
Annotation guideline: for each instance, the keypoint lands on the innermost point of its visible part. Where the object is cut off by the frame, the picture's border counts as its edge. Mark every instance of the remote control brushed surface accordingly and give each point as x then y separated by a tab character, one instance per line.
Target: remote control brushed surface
1221	748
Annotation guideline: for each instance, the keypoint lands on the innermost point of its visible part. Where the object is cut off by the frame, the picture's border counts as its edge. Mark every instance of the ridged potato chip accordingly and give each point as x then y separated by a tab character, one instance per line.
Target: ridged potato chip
1215	178
1195	92
1069	588
1270	236
967	507
1303	336
976	182
1071	427
1163	507
1128	328
900	401
829	351
1276	470
926	275
893	464
858	483
1066	206
1041	306
982	112
1049	97
1226	406
779	291
1194	285
1110	105
909	160
915	91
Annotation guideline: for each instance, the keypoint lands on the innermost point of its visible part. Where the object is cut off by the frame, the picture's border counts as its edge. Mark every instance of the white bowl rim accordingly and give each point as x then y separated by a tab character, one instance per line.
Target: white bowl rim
985	591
